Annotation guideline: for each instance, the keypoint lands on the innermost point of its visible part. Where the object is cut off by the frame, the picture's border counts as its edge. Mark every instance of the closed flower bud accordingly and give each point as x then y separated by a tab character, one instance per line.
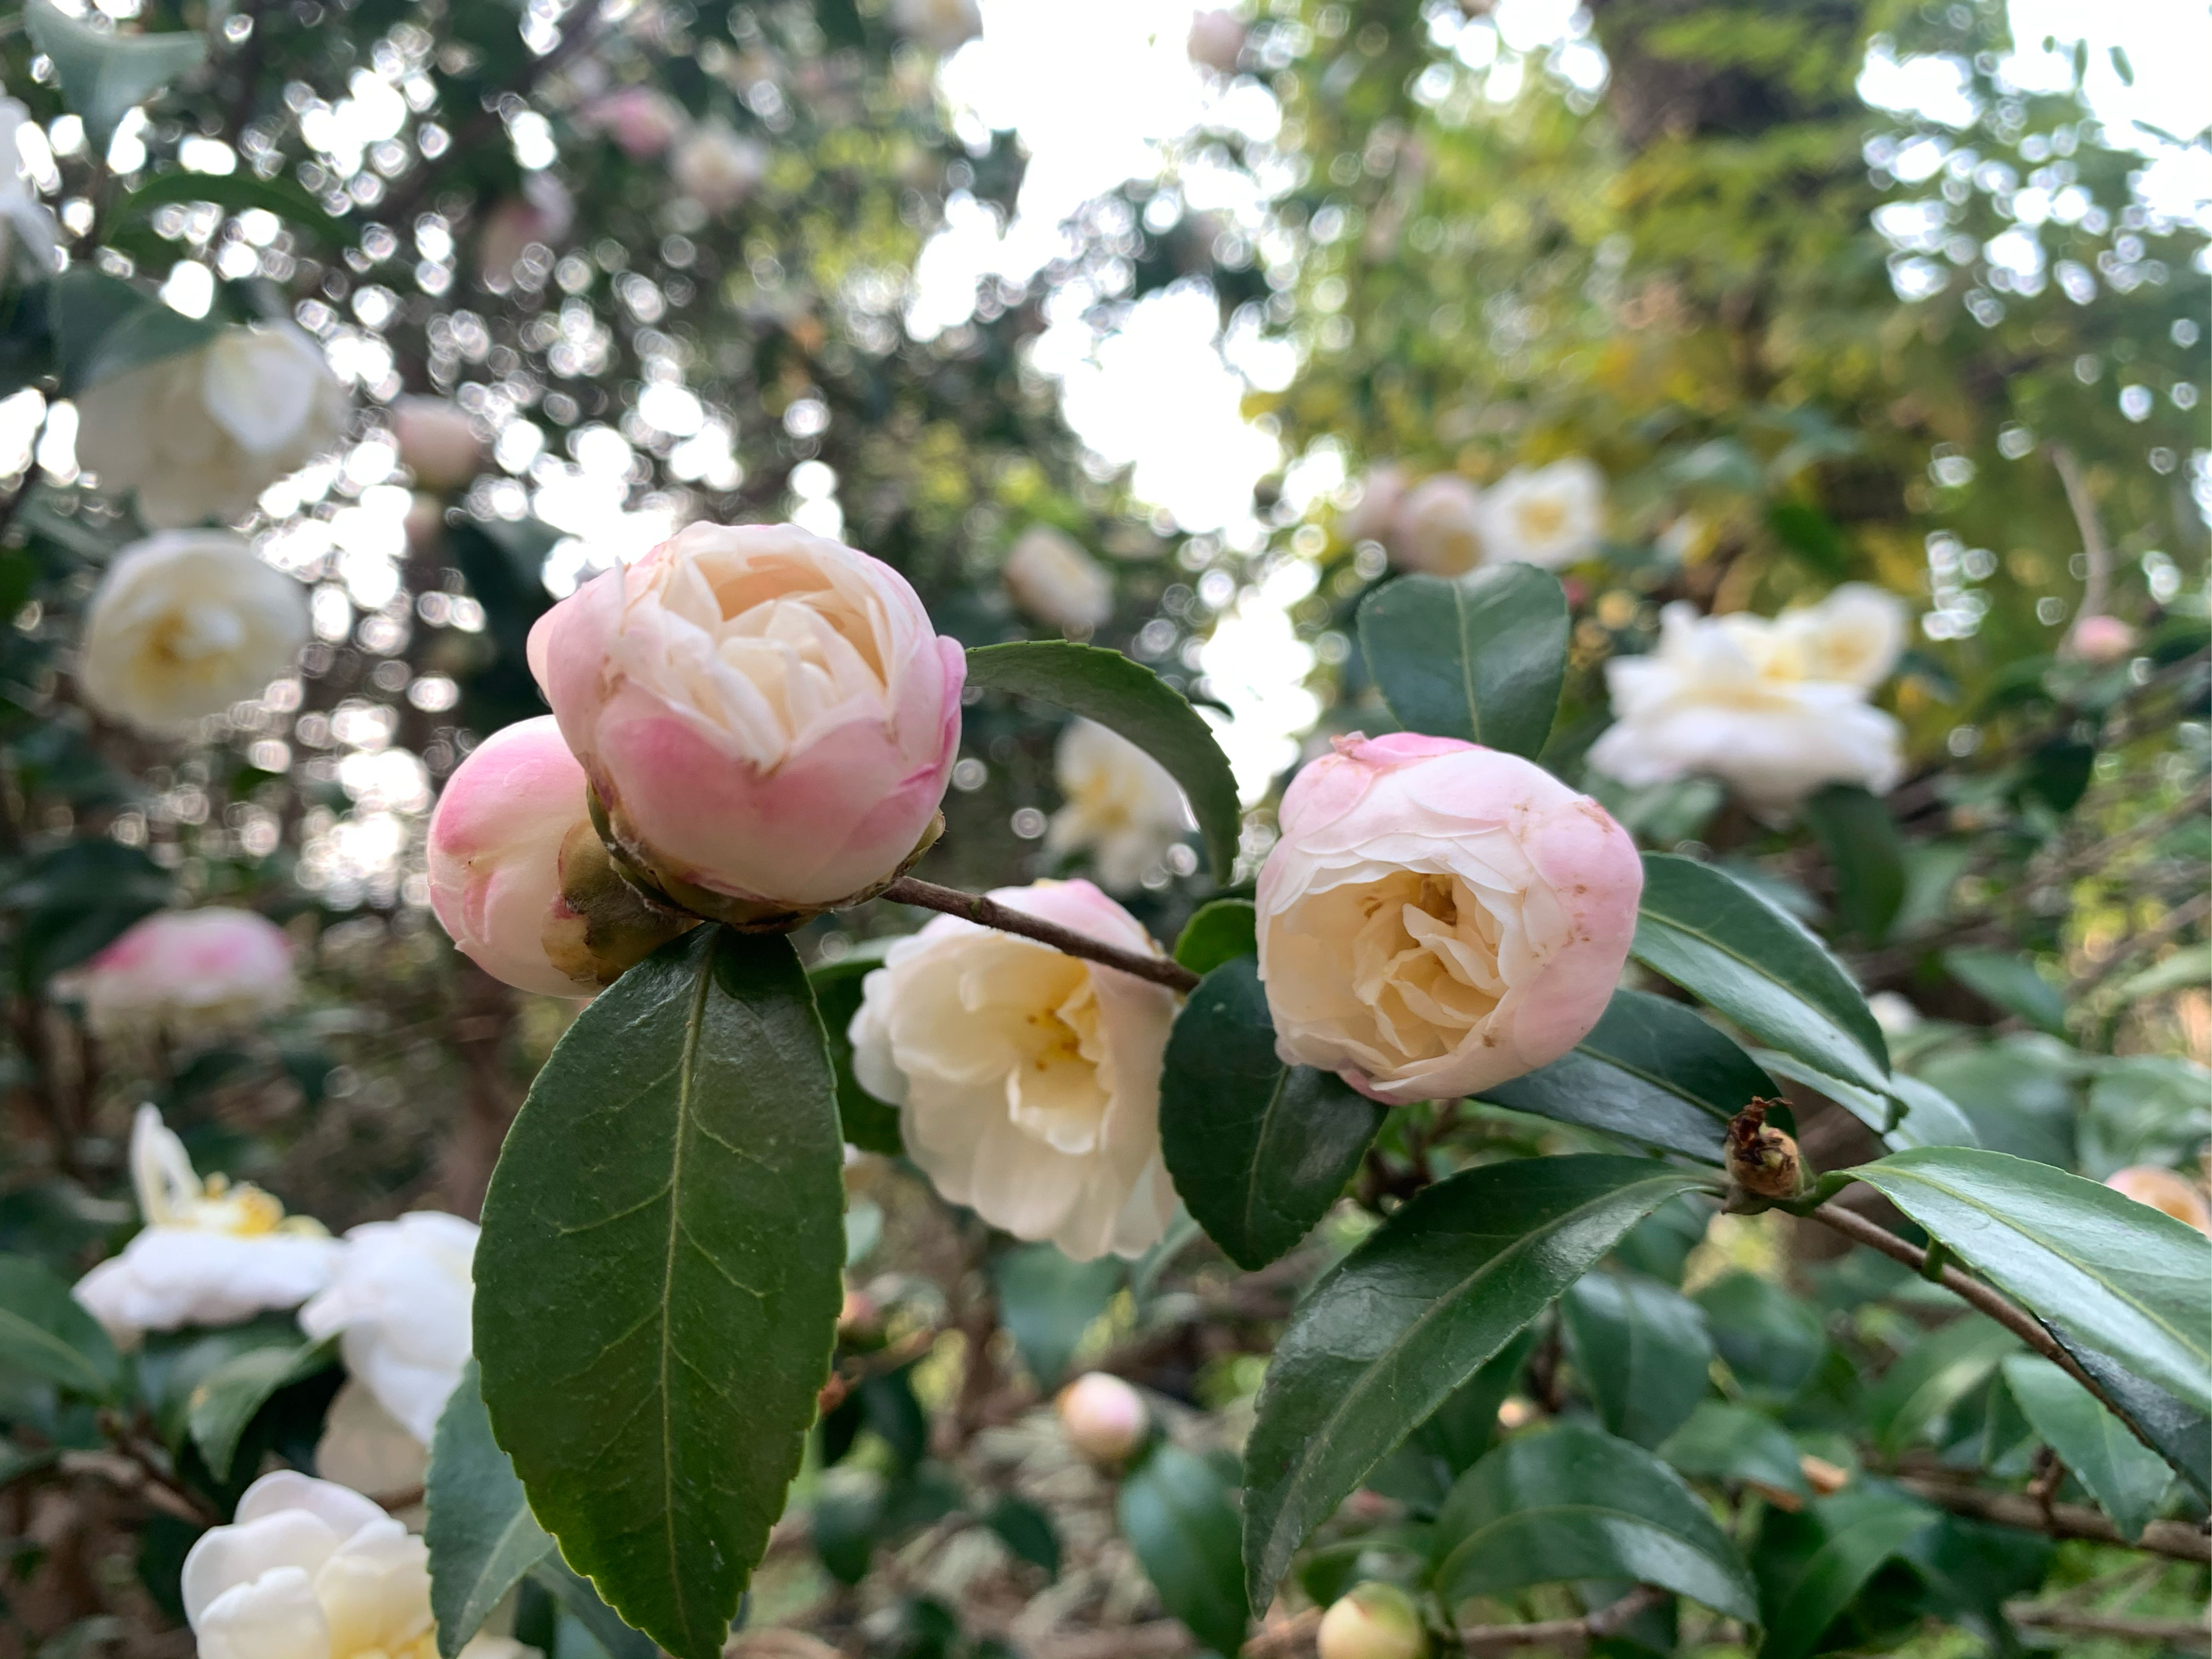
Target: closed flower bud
438	441
185	624
1104	1417
1438	917
1761	1158
188	973
1374	1621
1437	529
1054	580
2102	641
2162	1189
766	717
201	434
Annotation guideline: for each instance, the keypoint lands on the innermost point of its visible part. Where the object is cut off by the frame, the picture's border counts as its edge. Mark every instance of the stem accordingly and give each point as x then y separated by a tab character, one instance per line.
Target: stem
2095	551
989	913
2174	1632
2176	1539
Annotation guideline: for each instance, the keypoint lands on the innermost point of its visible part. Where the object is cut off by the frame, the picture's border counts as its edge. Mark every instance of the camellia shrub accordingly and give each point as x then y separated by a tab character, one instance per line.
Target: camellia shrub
568	1095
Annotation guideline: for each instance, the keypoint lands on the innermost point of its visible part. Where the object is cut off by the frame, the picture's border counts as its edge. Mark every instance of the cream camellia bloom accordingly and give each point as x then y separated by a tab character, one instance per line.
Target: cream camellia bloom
1437	528
1056	581
1122	807
438	441
210	1252
943	25
307	1569
1438	917
1775	709
186	623
1028	1081
201	434
364	1447
2163	1189
398	1302
766	715
190	974
717	168
1548	517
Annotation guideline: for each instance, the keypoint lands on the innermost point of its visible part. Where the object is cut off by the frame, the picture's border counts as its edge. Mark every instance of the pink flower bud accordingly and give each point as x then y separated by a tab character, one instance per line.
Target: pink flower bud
2101	640
1438	917
643	120
2162	1189
437	441
189	972
1104	1417
1373	1620
766	716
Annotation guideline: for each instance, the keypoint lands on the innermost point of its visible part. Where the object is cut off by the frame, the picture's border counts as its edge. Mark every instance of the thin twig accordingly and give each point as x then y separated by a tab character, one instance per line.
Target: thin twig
1294	1637
2020	1510
2189	1634
989	913
137	1476
2096	552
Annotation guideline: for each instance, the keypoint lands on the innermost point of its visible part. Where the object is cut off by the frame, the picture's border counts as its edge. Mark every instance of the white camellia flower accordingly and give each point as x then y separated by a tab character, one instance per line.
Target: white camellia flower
307	1569
364	1447
398	1302
1123	808
1437	528
210	1252
186	623
1029	1082
1775	709
28	236
1055	580
201	434
1548	517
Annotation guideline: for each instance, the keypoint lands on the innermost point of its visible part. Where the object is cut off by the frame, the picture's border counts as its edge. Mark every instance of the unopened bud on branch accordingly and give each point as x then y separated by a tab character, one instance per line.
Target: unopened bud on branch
1375	1621
1761	1159
1104	1417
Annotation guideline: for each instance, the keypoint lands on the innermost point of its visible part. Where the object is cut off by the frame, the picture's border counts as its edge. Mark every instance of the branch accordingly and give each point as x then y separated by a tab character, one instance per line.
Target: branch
989	913
2177	1538
1294	1638
2175	1633
2095	552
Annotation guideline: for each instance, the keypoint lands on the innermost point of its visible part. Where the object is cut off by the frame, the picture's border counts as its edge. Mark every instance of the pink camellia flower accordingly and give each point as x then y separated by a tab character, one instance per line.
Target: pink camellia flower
643	120
189	973
767	715
2162	1189
1439	917
438	441
1104	1417
2101	640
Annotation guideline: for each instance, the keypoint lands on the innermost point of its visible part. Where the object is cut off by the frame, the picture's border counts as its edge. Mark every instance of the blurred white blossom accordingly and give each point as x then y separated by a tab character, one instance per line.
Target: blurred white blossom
1121	805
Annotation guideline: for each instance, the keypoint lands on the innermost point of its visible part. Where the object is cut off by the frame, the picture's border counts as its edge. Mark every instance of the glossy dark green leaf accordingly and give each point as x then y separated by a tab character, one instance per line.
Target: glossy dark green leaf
172	1364
1934	1375
1651	1072
1420	1473
1811	1566
1812	535
1108	687
575	1592
1660	1246
1907	1111
1415	1310
1771	1340
2011	982
104	74
224	1402
1258	1149
1027	1531
1971	1569
481	1537
1724	943
1046	1302
1573	1502
1865	853
1721	1442
871	1124
659	1277
2128	1279
1479	659
47	1334
236	191
1642	1350
2124	1476
1219	933
1175	1512
2178	1433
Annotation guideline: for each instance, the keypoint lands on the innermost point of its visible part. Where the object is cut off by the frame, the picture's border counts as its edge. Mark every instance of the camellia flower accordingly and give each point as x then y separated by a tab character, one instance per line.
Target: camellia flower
1123	808
715	167
1029	1082
1437	529
1548	517
27	234
643	120
2101	640
765	715
1371	518
1775	709
1103	1417
189	973
943	25
511	839
398	1302
1438	917
307	1569
201	434
186	623
210	1252
364	1447
2162	1189
1373	1620
438	441
1055	580
1217	40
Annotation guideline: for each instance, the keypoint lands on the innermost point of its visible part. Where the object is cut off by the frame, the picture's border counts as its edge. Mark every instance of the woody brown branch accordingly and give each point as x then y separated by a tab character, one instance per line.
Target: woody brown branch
989	913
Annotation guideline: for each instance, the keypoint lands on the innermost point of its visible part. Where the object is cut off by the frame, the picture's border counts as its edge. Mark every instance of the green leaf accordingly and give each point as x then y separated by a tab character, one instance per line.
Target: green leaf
105	74
2126	1278
1770	1339
1573	1502
1459	1431
75	899
1934	1375
2180	1434
1046	1302
1424	1301
45	1332
1175	1512
224	1402
1650	1072
1811	1566
2121	1474
1908	1111
1866	853
236	191
144	336
1722	943
871	1124
1129	698
1812	535
1722	1442
1219	933
482	1536
1028	1532
1479	659
1642	1350
659	1276
575	1592
2011	982
1258	1149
